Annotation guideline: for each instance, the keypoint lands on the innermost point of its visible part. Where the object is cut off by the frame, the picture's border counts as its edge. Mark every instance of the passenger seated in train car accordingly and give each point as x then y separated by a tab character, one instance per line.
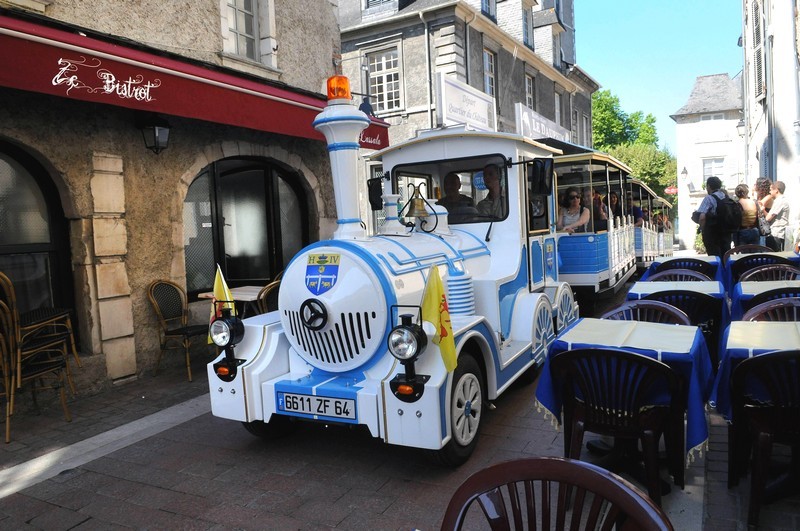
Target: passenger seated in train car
460	207
599	214
615	207
633	210
493	204
573	216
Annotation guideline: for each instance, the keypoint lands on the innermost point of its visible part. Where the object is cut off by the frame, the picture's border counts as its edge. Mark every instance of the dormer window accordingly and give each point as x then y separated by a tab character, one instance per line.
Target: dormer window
489	8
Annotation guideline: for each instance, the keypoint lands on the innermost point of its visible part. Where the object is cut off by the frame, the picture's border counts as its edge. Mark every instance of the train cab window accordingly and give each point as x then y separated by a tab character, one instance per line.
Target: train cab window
472	190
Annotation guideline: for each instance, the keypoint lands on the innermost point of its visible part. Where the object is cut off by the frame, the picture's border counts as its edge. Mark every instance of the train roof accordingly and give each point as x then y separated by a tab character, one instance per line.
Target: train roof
461	131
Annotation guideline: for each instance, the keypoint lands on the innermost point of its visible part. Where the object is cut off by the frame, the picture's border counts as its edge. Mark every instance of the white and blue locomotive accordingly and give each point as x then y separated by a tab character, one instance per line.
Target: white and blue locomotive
348	345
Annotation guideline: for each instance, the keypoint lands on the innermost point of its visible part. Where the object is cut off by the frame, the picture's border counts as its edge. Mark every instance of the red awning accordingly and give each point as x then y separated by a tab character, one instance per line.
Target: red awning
51	61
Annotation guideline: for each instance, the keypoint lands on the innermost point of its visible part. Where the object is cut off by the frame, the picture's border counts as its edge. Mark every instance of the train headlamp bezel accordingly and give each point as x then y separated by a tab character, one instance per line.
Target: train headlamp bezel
226	331
407	341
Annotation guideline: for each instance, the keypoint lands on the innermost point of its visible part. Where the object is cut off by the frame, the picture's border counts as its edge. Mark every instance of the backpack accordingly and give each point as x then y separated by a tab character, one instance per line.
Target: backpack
728	217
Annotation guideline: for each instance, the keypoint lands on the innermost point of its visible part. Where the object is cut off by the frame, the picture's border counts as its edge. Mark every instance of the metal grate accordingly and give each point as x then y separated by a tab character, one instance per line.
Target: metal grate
339	344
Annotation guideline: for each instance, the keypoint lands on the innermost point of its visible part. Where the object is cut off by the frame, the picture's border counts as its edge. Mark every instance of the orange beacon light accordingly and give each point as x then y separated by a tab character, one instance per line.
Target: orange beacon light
338	88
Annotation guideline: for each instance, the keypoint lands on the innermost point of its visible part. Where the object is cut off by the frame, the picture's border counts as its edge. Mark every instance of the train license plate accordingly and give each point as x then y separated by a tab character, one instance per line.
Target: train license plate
323	406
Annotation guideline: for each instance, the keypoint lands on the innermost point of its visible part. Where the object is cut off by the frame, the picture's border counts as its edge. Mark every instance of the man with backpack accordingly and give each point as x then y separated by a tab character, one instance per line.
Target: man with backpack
717	218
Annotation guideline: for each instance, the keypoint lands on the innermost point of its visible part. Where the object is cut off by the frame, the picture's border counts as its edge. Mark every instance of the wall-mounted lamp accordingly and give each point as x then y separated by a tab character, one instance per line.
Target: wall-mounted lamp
740	128
155	131
684	173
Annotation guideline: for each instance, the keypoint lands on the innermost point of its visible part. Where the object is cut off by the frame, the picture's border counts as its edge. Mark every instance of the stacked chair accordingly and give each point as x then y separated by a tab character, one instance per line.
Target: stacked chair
35	356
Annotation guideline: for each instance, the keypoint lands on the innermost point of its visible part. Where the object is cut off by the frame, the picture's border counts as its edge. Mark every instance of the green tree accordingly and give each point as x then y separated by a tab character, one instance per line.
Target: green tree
633	139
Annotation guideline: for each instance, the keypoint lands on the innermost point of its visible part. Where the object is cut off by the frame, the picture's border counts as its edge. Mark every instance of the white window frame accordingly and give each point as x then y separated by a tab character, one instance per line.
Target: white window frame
266	44
713	167
235	12
530	91
716	116
377	79
587	131
557	105
490	72
527	27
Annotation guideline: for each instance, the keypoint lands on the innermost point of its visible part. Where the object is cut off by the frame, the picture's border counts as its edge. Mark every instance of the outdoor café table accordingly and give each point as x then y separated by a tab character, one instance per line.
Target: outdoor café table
745	339
246	295
744	291
728	274
681	347
713	260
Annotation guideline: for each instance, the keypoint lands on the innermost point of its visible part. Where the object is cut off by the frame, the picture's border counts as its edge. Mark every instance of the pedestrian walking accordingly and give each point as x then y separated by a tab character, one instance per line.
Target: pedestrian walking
778	216
748	232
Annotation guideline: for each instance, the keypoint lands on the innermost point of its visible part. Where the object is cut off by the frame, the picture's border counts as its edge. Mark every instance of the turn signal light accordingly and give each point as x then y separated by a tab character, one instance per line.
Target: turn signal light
223	370
339	88
405	389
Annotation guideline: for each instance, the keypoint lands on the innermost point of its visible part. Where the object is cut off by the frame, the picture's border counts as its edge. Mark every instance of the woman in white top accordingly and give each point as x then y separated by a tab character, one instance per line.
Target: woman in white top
573	216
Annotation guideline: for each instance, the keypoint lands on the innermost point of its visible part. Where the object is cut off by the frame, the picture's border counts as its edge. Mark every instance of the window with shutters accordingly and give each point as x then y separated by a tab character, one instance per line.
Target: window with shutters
759	90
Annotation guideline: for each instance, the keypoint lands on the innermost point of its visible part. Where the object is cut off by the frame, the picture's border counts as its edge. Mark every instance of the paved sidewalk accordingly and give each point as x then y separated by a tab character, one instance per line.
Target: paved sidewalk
147	454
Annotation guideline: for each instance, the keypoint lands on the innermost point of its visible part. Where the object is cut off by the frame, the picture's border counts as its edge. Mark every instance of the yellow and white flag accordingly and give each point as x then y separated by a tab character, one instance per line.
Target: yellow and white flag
435	311
223	295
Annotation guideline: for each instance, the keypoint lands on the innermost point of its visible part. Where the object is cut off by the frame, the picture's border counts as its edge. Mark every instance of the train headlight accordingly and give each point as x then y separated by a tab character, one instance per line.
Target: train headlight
407	340
226	331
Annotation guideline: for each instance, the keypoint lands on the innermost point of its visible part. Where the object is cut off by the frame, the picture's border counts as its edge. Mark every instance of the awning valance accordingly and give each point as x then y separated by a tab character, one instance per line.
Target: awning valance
52	61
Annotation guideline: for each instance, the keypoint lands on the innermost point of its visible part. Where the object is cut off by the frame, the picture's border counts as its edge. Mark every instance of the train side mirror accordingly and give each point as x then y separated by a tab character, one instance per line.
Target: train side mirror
540	176
375	191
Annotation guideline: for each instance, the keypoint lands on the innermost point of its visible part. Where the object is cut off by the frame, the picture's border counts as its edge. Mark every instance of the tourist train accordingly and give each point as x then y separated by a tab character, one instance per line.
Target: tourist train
354	340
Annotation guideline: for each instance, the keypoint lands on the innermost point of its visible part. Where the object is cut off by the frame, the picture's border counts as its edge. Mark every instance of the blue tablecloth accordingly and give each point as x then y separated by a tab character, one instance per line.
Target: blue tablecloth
713	260
681	347
744	339
744	291
728	278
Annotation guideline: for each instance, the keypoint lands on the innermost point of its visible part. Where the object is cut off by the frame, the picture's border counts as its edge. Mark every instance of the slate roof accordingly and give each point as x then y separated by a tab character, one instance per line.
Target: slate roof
352	18
714	93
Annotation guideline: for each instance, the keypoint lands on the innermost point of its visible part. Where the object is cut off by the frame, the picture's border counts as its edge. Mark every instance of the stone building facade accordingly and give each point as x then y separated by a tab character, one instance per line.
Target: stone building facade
518	51
90	217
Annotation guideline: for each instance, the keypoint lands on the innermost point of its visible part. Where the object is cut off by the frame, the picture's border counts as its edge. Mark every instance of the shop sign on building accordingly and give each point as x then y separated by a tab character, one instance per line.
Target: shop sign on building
458	103
533	125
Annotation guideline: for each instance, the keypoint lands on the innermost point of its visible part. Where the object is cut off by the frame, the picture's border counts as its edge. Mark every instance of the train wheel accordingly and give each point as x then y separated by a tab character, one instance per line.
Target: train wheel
466	409
279	426
565	308
542	334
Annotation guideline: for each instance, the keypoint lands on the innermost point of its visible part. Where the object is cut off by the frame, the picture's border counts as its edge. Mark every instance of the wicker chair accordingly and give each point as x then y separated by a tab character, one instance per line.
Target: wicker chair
268	297
515	494
745	249
616	390
40	360
695	264
787	309
771	272
650	311
169	302
673	275
766	404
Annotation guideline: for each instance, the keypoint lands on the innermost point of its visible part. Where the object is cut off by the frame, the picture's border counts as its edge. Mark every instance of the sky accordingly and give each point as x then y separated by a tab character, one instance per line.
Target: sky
648	53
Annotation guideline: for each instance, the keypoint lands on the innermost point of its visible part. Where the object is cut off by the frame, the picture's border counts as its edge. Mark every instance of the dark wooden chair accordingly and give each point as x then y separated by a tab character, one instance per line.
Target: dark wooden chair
268	297
766	407
534	493
40	361
745	249
770	295
746	263
671	275
612	392
170	304
704	311
650	311
787	309
695	264
771	272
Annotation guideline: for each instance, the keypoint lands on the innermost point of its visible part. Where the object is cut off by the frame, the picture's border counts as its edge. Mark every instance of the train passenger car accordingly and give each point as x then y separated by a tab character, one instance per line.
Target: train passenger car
351	342
653	234
596	230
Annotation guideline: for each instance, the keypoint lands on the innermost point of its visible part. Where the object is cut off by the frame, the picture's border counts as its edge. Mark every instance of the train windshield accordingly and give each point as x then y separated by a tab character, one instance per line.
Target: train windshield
473	190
